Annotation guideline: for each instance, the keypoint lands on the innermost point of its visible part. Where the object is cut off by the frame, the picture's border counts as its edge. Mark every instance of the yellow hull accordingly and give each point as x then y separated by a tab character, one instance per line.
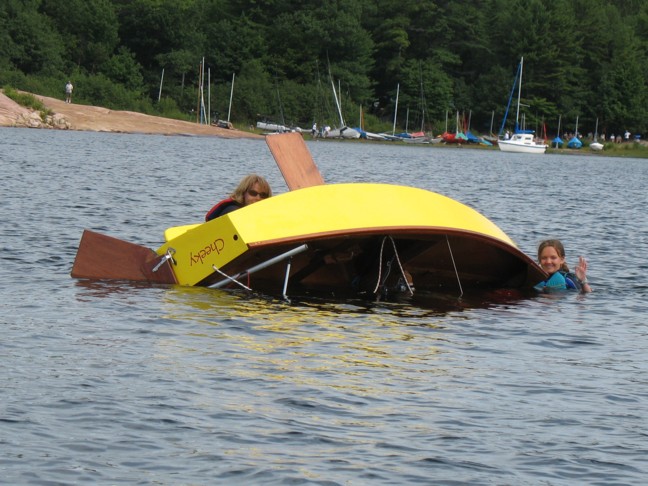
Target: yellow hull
360	238
351	231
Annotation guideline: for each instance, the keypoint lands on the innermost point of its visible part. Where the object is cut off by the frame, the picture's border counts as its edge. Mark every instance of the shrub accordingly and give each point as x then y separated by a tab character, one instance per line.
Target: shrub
27	100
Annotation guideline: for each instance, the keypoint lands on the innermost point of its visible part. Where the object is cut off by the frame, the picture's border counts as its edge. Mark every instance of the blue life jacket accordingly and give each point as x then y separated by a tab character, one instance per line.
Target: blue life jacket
560	281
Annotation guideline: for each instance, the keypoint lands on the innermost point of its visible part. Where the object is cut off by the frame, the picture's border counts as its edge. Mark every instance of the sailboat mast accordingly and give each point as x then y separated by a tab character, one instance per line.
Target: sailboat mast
518	74
396	108
229	110
517	115
422	99
337	103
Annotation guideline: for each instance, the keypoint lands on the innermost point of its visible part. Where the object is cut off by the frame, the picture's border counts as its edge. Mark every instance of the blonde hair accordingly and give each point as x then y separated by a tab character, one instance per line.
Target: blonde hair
248	183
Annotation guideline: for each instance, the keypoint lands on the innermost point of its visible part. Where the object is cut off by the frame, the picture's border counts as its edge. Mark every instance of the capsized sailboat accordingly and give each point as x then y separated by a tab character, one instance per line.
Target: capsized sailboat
360	238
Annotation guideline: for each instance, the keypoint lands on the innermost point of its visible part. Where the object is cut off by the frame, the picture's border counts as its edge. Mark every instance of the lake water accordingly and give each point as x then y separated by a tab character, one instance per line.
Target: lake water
114	383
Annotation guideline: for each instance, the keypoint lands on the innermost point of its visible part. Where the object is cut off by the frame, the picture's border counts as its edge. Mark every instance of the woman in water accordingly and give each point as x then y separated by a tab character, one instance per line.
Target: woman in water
251	189
551	256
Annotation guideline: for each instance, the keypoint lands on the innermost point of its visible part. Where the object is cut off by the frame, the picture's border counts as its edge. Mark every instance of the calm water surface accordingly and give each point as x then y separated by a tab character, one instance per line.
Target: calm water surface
113	383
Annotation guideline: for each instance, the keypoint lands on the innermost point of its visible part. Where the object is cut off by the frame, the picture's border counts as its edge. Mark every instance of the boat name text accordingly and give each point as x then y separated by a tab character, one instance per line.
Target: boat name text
216	246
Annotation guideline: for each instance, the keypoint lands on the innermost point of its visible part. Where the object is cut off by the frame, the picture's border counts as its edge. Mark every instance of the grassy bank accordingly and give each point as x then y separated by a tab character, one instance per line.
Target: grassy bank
28	101
637	150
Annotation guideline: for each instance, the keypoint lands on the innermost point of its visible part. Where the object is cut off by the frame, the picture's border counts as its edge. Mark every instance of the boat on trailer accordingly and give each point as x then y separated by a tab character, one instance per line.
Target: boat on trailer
355	238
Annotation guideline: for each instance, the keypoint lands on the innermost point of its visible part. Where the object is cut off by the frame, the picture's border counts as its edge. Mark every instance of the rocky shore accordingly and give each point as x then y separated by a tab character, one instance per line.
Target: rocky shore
71	116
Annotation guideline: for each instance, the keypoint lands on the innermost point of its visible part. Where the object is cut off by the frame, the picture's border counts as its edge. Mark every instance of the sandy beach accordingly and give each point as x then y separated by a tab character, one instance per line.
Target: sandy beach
72	116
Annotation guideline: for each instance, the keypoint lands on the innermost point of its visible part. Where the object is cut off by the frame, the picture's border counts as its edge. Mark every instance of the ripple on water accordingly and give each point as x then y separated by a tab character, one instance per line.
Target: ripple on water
120	383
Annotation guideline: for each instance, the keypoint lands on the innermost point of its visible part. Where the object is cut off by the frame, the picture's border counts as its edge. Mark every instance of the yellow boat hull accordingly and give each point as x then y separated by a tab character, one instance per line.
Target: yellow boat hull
352	231
362	238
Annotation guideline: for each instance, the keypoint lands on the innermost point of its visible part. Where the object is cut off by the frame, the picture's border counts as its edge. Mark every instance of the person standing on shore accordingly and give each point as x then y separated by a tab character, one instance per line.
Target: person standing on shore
68	92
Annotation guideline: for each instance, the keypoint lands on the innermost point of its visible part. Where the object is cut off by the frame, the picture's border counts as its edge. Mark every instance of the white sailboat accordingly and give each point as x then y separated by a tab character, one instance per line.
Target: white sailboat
596	145
522	141
344	131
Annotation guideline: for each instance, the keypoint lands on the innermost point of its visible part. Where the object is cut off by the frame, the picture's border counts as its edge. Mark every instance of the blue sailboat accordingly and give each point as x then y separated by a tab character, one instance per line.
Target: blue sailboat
575	142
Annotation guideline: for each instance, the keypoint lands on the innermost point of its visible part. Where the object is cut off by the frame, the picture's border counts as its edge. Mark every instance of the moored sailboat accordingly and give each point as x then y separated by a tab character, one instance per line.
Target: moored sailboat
522	141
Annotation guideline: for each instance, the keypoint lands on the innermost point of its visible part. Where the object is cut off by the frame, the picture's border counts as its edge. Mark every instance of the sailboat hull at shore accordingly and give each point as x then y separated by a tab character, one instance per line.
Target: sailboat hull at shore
344	132
522	143
596	146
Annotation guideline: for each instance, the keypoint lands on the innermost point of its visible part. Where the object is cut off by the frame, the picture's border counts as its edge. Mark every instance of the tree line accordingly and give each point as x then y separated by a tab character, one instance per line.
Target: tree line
583	59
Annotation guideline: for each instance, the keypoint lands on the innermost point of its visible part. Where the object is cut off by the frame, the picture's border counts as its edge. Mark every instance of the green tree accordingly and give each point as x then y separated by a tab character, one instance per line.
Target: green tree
624	84
89	29
584	58
251	91
154	29
543	32
123	69
32	43
231	40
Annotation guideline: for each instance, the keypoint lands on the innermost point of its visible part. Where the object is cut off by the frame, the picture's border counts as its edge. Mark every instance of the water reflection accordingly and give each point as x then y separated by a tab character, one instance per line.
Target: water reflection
199	303
317	342
322	307
310	337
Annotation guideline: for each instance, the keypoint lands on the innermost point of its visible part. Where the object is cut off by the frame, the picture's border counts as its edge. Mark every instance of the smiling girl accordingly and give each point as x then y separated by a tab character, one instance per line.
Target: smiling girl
551	256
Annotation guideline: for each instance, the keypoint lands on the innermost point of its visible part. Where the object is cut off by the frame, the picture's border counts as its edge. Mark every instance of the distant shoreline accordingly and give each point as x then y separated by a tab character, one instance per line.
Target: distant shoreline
71	116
